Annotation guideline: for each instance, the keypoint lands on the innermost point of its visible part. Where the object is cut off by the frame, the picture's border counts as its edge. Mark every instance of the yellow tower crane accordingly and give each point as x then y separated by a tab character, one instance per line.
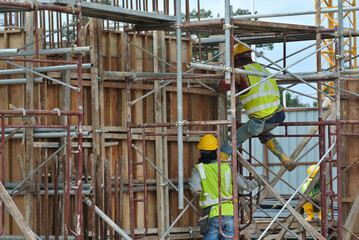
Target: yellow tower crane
350	48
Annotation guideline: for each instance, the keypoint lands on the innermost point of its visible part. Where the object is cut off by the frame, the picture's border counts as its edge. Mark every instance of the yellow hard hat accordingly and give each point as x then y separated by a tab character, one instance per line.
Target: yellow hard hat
240	48
311	169
208	142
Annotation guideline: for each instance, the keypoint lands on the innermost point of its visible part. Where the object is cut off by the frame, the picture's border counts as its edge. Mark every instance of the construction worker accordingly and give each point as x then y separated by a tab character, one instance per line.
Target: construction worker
314	194
204	183
262	105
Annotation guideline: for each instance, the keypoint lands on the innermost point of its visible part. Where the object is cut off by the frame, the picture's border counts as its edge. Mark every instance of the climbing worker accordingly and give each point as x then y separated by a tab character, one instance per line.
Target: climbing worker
262	105
314	194
204	183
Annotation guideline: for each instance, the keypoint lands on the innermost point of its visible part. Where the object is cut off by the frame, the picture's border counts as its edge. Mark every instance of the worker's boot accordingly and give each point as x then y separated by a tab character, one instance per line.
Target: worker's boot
308	208
277	150
223	156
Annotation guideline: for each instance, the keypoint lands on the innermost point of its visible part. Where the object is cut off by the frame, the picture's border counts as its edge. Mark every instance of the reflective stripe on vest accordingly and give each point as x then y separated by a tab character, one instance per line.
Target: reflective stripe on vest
202	173
305	186
209	179
265	95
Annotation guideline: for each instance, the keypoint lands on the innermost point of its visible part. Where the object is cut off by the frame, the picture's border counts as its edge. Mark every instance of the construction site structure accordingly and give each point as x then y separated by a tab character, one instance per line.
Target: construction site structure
103	104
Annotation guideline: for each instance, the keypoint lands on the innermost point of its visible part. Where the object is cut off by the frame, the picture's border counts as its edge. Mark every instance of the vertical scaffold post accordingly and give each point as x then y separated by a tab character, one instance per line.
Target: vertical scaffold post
80	124
179	104
338	117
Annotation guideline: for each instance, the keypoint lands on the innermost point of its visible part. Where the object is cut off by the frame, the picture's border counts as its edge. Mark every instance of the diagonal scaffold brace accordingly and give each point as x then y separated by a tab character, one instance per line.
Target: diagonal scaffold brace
301	220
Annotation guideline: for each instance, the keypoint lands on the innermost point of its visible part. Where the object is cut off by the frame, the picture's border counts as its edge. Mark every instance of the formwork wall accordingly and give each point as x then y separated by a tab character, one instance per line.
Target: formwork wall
112	104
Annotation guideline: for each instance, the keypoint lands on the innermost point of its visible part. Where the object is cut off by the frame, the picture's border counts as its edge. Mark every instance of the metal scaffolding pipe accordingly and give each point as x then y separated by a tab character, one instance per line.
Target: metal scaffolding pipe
145	74
227	37
349	71
9	51
46	69
300	93
42	75
285	69
298	189
343	90
169	82
176	220
109	221
319	76
9	186
72	128
50	192
179	103
50	34
15	237
284	14
41	165
158	58
19	81
73	50
165	177
47	135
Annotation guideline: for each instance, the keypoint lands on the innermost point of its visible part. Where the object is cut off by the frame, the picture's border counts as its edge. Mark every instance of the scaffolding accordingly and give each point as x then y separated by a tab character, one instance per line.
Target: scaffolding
330	132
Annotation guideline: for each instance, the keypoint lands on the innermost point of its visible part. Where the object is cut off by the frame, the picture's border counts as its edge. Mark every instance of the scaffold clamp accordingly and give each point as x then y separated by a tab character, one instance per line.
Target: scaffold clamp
23	111
100	131
181	123
229	69
57	110
229	26
339	57
336	74
178	25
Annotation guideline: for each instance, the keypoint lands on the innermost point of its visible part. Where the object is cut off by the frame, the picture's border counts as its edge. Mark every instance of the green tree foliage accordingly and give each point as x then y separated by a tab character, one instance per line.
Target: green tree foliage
203	14
292	101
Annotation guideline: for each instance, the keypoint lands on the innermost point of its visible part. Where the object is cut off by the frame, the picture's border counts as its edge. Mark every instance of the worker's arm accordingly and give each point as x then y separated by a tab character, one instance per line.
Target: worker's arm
242	83
195	184
246	185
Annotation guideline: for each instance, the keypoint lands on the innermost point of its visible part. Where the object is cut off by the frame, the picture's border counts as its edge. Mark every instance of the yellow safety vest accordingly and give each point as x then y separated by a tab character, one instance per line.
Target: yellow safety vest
209	196
305	186
263	99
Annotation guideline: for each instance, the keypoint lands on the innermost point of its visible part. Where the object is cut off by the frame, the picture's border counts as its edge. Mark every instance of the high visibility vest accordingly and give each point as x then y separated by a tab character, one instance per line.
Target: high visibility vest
263	99
305	186
316	188
209	196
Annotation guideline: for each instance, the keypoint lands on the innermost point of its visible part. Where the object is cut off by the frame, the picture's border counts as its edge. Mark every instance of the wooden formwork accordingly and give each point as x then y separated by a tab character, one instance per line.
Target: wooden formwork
104	166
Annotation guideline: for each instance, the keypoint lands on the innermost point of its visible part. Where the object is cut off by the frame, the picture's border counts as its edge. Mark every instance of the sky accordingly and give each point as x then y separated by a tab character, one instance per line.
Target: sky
277	6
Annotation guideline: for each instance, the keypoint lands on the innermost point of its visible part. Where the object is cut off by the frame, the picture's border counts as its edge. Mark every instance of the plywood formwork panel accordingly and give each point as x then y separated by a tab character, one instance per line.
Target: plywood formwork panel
352	152
48	96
